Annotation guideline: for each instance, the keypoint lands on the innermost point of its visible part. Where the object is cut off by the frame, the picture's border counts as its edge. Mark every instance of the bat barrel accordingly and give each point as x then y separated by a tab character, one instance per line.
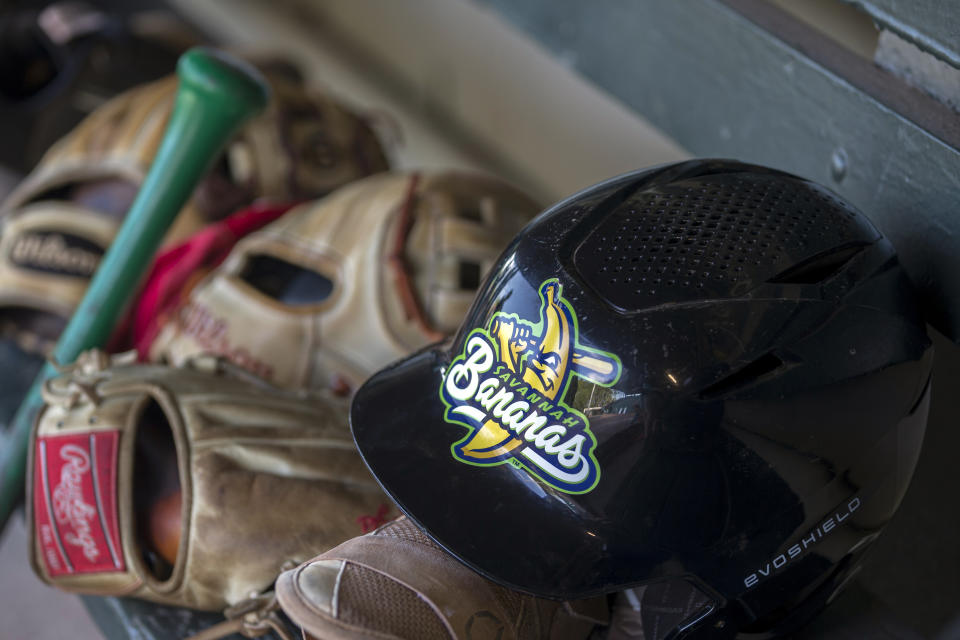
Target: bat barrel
216	95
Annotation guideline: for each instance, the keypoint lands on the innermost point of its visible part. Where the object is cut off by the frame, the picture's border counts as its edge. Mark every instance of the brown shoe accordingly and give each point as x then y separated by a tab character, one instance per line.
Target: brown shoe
395	583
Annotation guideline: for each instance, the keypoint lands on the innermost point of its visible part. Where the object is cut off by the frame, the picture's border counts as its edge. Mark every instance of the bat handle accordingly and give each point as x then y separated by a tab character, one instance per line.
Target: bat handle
217	94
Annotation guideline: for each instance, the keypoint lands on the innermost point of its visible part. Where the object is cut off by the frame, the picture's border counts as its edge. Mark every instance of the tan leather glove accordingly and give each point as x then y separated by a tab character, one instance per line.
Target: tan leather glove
338	288
59	221
266	479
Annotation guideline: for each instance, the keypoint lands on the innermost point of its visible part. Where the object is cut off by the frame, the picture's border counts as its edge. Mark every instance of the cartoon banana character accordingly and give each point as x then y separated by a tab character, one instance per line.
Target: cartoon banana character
543	355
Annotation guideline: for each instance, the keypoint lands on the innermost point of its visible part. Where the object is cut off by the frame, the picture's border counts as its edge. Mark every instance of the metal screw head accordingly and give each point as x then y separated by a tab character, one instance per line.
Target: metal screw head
838	164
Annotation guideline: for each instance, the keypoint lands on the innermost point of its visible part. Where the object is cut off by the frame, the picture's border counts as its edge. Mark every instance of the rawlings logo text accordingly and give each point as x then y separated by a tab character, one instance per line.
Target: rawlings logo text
68	504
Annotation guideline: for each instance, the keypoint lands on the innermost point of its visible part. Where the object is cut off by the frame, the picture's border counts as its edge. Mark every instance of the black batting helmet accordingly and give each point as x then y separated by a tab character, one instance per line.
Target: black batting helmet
709	377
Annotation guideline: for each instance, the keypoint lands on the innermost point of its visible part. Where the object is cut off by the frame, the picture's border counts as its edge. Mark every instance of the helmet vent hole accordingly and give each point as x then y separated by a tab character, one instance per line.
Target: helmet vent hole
743	377
819	268
285	282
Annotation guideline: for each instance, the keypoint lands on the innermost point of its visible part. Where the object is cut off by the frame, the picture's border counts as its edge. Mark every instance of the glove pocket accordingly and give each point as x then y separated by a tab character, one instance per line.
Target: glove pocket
276	480
188	487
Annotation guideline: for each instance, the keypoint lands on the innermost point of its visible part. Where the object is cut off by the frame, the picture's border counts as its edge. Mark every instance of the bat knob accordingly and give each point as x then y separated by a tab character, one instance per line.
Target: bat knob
229	86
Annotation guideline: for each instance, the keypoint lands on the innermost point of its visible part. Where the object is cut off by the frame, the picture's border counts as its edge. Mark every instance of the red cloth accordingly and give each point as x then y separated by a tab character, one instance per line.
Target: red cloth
177	269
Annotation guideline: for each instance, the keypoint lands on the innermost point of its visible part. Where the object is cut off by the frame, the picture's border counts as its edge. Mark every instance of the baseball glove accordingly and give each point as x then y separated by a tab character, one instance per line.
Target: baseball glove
351	282
205	466
59	221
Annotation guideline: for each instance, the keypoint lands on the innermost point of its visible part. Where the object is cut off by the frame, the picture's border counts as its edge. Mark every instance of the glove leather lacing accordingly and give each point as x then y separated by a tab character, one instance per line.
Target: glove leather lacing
252	618
86	372
398	261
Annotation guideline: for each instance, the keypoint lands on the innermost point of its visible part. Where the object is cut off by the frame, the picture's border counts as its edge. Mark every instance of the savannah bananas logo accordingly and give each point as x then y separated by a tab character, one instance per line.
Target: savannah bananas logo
508	387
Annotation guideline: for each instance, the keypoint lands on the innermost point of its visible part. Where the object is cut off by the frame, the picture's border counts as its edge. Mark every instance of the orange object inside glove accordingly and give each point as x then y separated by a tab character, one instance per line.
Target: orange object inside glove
164	526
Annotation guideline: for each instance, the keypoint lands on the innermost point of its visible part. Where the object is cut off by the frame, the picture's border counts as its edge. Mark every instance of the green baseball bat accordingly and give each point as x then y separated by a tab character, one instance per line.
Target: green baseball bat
217	94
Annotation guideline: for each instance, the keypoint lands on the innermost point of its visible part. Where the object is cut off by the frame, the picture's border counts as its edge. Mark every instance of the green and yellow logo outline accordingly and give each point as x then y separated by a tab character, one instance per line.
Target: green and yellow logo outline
517	413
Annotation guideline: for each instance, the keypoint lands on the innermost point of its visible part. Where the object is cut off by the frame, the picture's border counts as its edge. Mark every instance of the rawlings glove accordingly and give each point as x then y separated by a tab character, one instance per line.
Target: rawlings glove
187	486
